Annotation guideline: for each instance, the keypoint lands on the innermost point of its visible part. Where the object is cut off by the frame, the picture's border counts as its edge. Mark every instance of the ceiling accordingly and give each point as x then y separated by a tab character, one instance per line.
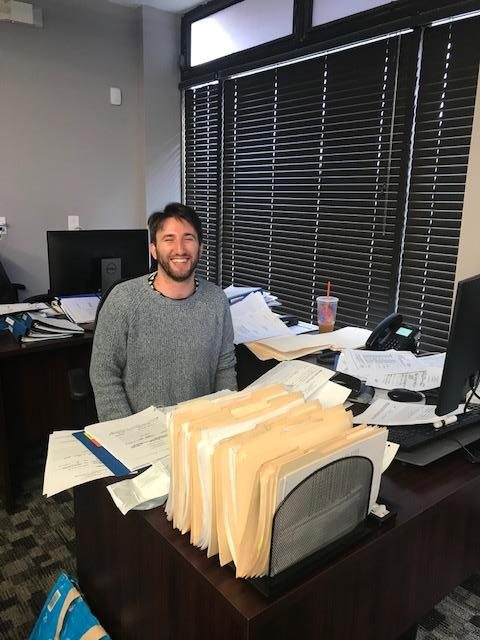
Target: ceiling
175	6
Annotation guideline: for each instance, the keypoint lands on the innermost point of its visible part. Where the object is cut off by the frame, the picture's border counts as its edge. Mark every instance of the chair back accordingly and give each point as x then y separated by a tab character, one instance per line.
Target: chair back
8	292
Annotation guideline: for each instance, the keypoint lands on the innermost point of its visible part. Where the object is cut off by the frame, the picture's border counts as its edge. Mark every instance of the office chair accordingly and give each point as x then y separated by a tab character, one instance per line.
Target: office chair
81	392
8	290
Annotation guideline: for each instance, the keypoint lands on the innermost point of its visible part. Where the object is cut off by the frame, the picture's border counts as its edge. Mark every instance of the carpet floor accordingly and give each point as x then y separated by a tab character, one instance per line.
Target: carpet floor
38	541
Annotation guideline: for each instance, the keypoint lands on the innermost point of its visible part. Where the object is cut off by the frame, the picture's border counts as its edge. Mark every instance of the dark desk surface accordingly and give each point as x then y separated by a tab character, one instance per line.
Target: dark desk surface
11	348
144	579
34	397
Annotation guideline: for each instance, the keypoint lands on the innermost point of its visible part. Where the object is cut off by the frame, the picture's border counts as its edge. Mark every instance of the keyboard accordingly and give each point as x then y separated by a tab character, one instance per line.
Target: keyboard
410	437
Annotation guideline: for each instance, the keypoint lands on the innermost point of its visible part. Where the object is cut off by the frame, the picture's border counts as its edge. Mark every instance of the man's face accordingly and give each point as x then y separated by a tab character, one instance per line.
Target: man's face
176	249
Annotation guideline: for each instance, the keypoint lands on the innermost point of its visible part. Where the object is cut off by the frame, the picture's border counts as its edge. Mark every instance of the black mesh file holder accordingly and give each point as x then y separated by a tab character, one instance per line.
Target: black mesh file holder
322	515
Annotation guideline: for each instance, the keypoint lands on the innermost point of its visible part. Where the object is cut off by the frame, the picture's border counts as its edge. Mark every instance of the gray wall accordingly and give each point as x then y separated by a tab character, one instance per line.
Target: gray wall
63	148
162	107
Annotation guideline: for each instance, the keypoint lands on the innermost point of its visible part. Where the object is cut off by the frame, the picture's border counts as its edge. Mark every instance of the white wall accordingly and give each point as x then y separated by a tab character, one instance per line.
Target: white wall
63	148
469	249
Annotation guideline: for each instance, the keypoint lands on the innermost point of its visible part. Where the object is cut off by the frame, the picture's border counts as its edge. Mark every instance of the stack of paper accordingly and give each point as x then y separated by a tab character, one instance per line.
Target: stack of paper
115	447
69	464
393	369
312	380
252	319
135	441
289	347
236	294
80	309
33	327
20	307
234	459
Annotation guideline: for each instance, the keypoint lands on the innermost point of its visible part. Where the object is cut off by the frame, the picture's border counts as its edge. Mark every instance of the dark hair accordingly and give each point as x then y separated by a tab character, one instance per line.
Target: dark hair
174	210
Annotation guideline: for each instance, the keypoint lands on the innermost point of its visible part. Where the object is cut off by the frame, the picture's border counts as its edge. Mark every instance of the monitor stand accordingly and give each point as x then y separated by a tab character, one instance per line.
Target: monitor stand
110	271
436	449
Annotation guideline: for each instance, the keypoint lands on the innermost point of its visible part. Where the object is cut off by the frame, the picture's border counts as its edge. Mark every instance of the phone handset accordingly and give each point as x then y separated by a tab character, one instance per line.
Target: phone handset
392	333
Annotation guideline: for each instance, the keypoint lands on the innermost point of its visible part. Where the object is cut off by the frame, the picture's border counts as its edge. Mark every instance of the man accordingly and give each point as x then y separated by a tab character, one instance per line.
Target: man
165	337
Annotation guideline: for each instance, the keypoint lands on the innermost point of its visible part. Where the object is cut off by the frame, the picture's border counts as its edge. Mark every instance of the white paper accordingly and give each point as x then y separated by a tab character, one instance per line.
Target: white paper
302	327
331	394
389	413
372	448
81	309
350	337
237	293
253	320
137	441
415	380
69	463
437	360
346	338
146	491
20	307
393	369
390	453
296	375
361	363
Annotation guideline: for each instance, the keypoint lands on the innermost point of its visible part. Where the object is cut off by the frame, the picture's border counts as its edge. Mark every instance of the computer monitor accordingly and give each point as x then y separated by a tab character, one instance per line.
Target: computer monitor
82	262
462	362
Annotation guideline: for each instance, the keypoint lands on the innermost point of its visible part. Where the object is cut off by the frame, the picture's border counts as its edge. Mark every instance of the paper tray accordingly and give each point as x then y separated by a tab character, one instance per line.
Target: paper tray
323	515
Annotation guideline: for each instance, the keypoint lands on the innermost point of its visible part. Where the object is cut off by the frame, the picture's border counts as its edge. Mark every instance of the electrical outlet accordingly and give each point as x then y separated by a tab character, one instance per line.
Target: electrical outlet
73	223
3	226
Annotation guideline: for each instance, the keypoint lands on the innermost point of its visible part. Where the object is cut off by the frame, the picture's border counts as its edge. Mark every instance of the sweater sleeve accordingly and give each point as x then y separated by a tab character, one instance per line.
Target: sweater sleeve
108	359
226	375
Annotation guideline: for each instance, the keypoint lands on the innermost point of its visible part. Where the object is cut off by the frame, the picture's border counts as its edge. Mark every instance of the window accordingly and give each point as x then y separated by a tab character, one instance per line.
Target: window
201	163
241	26
311	177
443	127
324	11
350	167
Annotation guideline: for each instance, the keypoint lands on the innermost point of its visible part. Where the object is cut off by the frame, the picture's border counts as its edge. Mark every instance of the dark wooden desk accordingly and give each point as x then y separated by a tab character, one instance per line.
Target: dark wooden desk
34	398
144	580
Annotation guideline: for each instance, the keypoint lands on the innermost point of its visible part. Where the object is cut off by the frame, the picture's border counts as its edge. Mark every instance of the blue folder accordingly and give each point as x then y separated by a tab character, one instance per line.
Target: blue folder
114	464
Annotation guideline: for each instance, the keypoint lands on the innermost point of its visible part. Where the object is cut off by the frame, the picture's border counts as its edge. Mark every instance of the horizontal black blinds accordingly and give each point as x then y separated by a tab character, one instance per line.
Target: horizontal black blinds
201	164
311	179
446	101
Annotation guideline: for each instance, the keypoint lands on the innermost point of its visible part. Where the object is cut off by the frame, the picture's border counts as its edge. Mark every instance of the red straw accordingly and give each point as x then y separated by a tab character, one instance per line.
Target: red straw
329	284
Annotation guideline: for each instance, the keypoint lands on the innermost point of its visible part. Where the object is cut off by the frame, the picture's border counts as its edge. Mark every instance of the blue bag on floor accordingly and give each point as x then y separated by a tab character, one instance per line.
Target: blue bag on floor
66	616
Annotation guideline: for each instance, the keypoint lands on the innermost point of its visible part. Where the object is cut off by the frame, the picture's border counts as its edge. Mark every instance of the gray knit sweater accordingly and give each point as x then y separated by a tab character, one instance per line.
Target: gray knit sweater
150	349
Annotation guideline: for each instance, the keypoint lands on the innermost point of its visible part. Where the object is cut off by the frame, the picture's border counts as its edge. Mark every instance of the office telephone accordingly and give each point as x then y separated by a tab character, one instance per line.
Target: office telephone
392	333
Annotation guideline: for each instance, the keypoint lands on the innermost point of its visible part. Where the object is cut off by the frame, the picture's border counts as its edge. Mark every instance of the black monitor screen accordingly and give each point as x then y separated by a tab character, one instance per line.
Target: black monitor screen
82	262
462	362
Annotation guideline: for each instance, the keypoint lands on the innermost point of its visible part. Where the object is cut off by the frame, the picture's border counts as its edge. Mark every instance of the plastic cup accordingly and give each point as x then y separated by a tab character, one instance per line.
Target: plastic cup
326	313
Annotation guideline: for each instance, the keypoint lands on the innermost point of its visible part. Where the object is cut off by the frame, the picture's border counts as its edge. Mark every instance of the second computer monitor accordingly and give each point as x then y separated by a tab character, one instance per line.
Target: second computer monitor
82	262
462	362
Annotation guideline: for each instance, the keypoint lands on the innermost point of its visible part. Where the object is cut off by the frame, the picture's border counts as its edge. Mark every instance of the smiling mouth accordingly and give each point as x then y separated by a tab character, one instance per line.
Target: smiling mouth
180	260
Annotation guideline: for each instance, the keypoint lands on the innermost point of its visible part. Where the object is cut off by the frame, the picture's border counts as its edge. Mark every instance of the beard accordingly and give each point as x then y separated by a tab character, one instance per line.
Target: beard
178	276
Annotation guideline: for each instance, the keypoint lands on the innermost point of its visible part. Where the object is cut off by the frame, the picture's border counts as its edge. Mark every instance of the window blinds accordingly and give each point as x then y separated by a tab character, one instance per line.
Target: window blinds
313	170
201	163
311	177
446	101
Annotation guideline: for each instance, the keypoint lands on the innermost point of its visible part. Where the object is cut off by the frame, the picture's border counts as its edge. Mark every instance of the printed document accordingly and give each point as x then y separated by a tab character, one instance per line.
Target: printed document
20	307
253	320
389	413
137	441
69	464
80	309
393	369
296	375
146	491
